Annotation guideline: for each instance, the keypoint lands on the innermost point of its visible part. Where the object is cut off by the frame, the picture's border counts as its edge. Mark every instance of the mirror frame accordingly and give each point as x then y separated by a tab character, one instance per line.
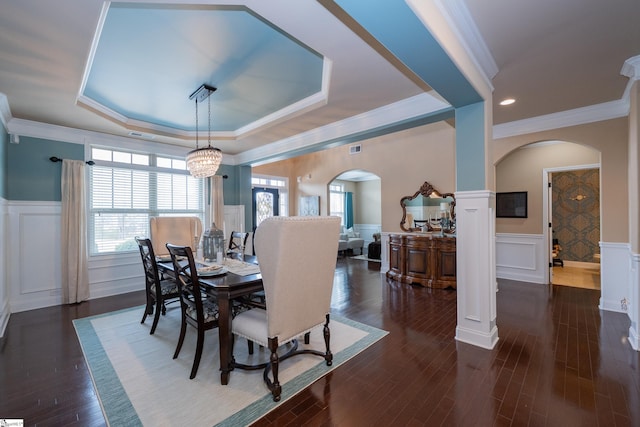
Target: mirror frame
426	190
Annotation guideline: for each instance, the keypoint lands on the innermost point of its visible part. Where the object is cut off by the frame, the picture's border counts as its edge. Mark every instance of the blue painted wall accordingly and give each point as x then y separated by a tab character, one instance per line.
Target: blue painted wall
4	142
470	150
26	173
31	175
237	189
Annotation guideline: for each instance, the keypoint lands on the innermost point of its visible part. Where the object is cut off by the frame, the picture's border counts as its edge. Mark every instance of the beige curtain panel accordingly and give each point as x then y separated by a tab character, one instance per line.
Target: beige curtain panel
75	274
217	202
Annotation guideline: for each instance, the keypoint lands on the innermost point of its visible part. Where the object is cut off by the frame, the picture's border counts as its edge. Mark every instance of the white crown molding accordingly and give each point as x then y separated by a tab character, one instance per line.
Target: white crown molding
631	69
579	116
463	25
415	106
5	111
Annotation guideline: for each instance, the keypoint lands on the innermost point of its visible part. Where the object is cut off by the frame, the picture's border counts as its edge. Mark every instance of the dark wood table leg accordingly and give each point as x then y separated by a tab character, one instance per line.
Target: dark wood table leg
224	336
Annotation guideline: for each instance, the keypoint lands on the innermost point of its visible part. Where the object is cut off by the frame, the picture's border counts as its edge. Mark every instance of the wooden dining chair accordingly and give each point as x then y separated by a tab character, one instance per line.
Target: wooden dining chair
160	290
237	242
297	261
197	309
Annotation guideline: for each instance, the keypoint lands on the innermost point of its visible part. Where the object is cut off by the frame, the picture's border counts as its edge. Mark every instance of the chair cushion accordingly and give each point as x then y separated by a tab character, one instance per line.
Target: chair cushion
168	287
252	324
211	311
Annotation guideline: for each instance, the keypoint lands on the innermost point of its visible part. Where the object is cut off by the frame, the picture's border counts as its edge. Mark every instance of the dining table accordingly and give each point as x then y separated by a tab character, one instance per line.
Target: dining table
224	288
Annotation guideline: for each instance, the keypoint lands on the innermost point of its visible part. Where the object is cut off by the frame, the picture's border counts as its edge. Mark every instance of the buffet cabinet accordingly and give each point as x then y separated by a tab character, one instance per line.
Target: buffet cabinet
423	258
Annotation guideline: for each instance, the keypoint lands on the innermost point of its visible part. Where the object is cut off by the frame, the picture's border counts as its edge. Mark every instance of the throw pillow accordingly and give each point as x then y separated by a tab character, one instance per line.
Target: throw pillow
351	233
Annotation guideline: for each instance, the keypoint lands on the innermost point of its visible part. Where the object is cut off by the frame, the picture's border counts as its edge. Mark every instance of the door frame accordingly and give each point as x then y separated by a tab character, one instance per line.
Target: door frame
547	211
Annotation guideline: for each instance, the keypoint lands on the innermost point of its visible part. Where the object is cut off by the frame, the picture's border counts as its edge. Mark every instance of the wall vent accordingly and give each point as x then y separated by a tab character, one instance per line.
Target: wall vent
355	149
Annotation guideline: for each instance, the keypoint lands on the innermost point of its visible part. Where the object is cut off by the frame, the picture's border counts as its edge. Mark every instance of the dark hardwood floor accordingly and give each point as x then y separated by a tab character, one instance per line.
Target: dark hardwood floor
559	362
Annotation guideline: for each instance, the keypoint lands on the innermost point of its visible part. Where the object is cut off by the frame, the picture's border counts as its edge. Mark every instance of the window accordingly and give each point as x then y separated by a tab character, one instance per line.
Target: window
126	189
336	201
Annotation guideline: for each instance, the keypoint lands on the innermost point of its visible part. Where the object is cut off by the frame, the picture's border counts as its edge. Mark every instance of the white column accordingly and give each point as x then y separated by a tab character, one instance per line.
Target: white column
634	303
631	69
476	275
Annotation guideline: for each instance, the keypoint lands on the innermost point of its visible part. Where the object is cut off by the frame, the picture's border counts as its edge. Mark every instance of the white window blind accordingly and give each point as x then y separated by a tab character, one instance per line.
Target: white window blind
124	196
336	201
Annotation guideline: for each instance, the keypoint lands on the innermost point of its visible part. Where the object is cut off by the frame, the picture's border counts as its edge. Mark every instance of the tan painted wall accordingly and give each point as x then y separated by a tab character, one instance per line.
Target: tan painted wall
522	170
406	159
610	138
403	161
368	203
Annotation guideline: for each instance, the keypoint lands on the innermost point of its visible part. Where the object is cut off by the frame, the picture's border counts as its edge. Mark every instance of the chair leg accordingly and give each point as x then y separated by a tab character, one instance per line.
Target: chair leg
307	337
148	309
183	331
196	359
250	346
156	317
328	356
276	389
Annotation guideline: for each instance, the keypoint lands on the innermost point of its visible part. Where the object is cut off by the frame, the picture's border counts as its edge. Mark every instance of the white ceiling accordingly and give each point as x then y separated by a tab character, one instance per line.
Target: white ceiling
553	56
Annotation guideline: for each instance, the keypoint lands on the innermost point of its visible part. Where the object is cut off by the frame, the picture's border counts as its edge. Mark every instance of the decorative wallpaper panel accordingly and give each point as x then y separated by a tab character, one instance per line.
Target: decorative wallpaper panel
576	213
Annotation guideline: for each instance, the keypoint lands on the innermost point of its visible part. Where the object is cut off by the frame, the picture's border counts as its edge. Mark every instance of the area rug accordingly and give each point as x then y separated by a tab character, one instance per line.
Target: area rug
364	257
139	383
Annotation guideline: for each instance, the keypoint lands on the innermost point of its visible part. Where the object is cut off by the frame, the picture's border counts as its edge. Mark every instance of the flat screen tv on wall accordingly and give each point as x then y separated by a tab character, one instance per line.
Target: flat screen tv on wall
511	205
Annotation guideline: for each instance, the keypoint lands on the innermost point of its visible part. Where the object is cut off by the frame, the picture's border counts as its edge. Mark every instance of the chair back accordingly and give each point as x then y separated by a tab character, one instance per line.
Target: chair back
238	241
177	230
151	275
184	268
297	257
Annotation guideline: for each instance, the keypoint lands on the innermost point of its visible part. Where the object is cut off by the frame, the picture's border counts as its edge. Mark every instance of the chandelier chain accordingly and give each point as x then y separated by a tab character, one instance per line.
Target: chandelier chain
209	134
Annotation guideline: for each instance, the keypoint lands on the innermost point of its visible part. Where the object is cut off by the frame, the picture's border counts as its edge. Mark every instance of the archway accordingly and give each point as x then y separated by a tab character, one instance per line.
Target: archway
364	211
524	245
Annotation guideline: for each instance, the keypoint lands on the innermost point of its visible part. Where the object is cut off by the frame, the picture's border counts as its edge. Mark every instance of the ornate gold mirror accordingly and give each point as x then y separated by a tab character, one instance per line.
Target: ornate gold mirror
428	210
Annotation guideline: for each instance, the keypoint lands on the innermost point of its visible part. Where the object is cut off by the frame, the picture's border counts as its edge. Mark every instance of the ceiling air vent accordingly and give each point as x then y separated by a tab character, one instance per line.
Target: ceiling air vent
141	135
355	149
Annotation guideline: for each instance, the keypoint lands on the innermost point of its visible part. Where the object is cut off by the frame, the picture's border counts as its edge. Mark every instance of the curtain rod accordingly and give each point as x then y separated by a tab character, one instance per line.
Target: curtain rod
57	159
91	163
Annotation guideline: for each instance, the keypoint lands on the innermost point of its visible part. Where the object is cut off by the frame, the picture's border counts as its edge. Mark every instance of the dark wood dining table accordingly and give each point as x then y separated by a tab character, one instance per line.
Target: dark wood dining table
225	288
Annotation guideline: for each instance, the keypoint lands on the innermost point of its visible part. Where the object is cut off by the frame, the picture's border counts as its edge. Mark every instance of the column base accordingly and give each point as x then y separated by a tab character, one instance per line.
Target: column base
477	338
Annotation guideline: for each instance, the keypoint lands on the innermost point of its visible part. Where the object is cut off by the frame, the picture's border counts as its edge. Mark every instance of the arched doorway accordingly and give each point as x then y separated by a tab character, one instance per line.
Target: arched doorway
355	196
524	246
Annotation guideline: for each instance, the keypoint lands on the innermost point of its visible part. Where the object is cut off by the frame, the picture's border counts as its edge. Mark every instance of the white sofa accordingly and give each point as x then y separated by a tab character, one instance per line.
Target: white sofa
350	241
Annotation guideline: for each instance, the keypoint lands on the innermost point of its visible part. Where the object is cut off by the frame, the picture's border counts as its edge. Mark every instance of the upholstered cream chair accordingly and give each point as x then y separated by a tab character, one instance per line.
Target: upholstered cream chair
177	230
297	257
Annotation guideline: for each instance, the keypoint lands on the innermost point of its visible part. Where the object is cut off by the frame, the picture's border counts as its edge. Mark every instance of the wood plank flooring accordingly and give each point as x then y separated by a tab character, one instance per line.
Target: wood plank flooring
587	277
559	362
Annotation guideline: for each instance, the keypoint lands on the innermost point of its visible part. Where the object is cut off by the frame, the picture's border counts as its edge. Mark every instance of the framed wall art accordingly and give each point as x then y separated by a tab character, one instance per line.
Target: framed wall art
309	206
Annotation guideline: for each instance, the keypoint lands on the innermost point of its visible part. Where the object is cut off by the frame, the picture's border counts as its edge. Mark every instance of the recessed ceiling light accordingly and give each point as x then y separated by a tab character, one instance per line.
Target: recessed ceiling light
507	101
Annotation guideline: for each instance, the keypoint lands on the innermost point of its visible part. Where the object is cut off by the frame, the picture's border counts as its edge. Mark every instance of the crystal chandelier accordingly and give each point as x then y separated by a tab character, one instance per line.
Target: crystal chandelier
203	162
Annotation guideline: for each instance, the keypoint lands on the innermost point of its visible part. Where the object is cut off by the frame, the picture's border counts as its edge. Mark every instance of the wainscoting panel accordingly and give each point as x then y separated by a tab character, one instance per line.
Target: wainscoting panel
366	232
32	248
33	255
4	245
615	276
115	274
521	257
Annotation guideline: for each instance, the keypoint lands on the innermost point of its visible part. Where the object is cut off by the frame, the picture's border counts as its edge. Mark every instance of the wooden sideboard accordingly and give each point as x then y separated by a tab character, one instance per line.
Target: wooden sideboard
423	258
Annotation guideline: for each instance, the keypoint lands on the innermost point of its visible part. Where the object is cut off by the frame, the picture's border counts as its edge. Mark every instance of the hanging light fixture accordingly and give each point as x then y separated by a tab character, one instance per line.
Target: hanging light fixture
203	162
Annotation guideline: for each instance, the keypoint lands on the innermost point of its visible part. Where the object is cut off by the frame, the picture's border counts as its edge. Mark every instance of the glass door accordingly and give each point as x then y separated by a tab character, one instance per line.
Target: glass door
265	204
